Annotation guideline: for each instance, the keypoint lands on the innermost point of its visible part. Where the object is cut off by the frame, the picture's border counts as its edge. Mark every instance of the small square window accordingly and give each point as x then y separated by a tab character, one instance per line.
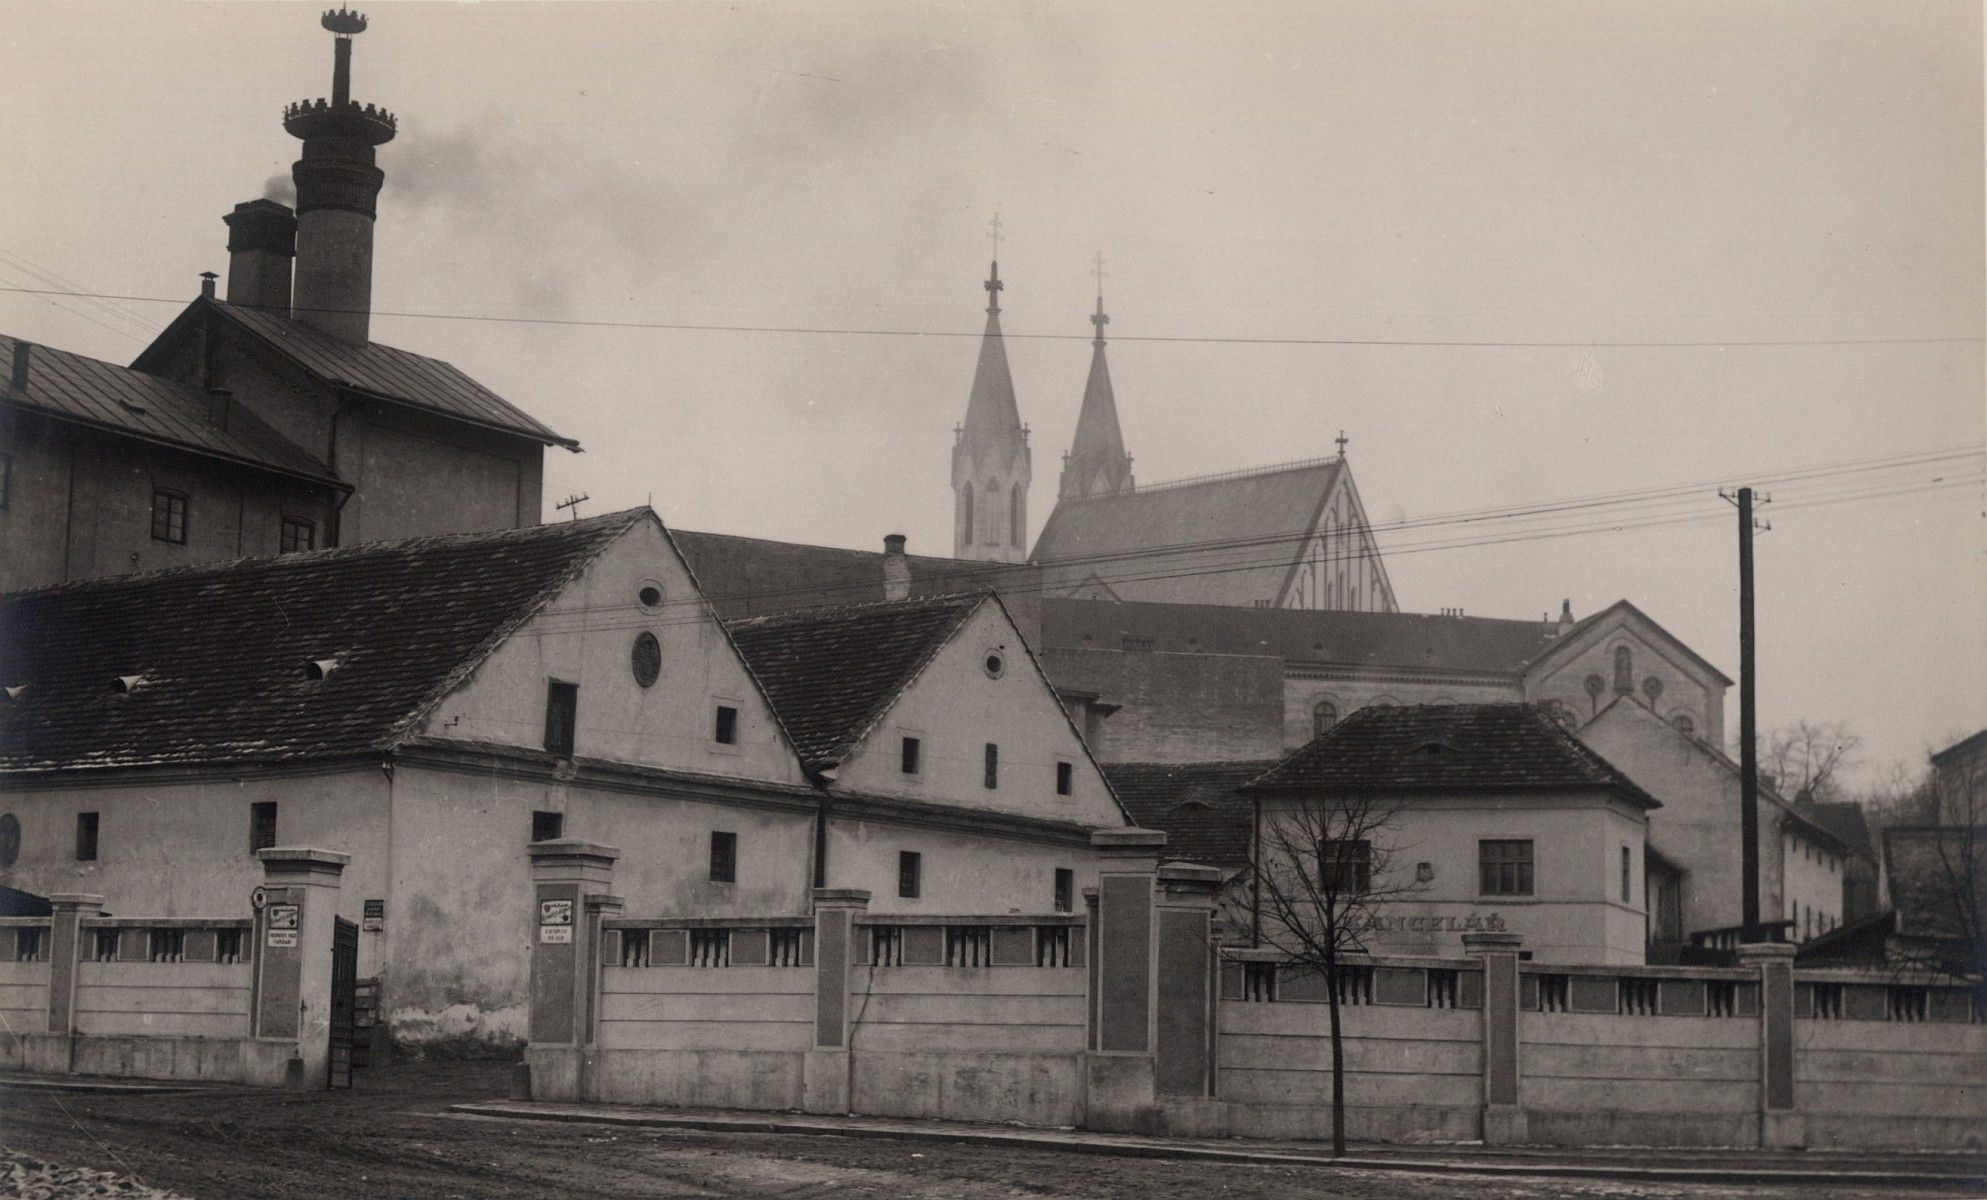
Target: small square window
1505	867
86	837
298	535
562	703
1345	866
992	778
726	732
1065	778
547	826
261	825
912	749
724	858
910	874
168	516
1065	890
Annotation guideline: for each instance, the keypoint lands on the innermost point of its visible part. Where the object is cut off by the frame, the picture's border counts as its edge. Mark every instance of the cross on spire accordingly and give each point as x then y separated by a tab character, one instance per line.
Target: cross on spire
994	235
1341	439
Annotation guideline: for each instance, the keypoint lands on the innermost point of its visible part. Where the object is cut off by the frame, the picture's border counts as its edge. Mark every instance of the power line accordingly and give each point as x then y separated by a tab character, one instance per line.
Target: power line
833	331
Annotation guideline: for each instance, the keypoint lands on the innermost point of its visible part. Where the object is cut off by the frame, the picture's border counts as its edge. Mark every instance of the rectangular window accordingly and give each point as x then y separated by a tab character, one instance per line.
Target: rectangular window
910	755
168	516
298	534
6	479
562	707
910	874
1505	867
1065	778
86	837
724	858
261	825
1065	890
993	766
1345	868
1627	873
547	826
726	731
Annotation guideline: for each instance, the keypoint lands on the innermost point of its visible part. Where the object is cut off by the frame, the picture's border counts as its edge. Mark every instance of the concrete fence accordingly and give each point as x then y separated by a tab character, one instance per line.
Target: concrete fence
239	999
1135	1016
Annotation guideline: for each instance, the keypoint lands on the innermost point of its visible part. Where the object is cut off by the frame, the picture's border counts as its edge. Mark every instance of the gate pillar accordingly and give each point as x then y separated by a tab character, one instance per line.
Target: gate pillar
570	879
294	933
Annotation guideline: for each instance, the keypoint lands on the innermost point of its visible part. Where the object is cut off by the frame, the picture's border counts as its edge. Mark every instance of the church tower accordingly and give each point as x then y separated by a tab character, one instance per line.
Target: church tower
990	459
1096	464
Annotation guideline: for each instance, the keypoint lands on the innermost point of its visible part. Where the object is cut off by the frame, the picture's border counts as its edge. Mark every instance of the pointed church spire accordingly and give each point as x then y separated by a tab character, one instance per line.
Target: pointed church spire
1097	464
990	459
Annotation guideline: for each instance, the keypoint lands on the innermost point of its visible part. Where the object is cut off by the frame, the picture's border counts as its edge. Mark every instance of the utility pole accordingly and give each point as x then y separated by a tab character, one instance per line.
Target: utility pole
1748	729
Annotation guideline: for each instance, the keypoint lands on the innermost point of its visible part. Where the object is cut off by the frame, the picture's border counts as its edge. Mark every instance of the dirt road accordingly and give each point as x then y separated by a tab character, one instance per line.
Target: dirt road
392	1137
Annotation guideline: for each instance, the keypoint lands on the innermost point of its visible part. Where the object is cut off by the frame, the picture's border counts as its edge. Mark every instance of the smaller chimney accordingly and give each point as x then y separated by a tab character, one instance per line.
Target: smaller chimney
1565	615
207	279
18	380
262	241
896	569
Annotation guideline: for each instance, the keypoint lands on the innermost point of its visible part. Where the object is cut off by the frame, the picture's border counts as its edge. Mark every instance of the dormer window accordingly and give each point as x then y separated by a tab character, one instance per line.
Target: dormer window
318	670
124	685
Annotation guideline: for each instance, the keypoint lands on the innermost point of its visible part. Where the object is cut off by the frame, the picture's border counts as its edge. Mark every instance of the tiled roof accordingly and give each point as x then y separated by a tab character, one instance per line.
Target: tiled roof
88	391
831	672
1448	747
1846	820
1477	644
746	576
222	648
1198	806
384	372
1229	540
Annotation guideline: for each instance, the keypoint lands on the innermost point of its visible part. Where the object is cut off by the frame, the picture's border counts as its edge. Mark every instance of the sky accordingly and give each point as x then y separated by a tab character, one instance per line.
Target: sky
1299	203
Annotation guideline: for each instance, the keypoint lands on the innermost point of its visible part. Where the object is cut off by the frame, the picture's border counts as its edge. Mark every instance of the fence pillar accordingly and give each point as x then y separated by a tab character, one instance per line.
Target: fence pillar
1780	1125
825	1073
1185	992
65	950
293	945
1121	1091
570	879
1503	1115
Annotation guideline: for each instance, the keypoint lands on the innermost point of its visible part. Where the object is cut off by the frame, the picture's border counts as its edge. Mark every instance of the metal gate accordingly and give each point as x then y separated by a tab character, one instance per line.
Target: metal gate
344	1002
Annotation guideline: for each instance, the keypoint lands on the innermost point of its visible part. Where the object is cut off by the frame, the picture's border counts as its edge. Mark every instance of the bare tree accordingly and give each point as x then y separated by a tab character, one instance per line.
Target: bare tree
1324	870
1939	880
1810	756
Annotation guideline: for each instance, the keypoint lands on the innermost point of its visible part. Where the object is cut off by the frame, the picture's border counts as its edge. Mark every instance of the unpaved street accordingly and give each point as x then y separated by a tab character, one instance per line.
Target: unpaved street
391	1137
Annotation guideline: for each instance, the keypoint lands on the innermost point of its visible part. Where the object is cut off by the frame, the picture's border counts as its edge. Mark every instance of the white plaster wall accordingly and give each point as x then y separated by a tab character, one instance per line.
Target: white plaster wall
962	873
954	708
1698	825
1575	912
181	849
586	636
1811	883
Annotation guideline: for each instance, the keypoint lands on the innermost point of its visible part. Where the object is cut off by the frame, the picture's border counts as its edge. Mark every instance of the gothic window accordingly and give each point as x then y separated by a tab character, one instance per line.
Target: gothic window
1624	669
1016	527
1324	715
966	525
991	534
1683	723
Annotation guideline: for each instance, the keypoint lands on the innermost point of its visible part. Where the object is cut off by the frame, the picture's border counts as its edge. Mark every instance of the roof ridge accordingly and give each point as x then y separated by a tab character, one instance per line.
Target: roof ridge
1185	481
297	558
801	616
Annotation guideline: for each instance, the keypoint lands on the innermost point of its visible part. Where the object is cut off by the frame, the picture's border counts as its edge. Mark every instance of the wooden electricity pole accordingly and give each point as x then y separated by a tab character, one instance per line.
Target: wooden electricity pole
1749	930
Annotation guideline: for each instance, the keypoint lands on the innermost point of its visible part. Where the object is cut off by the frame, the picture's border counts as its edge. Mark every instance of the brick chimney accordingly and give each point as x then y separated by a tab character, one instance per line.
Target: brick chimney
262	239
896	569
17	378
337	195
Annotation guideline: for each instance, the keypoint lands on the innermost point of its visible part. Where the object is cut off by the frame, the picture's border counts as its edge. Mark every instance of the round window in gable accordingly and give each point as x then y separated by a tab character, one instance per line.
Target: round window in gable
10	839
994	663
650	594
646	659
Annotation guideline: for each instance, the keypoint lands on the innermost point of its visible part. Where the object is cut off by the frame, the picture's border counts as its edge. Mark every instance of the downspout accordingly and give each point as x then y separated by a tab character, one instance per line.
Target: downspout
69	509
335	529
1256	873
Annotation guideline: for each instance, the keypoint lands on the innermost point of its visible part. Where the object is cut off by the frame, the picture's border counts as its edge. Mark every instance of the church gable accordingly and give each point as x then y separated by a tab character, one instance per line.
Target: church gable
649	670
1621	651
982	688
1338	565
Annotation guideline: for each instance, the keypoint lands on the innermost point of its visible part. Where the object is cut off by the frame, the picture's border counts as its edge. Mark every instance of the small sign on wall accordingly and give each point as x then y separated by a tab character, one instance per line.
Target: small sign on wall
555	921
561	934
374	918
281	921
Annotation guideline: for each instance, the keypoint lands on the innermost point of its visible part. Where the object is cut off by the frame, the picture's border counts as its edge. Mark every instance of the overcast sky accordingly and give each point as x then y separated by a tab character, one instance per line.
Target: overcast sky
1539	172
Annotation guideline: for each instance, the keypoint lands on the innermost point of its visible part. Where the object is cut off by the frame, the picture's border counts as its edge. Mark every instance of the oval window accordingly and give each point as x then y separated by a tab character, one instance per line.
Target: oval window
646	658
650	594
994	664
10	839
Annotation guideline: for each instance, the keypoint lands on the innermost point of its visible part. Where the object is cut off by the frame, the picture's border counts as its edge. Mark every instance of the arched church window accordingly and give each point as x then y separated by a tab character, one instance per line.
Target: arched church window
1016	527
1324	715
991	534
1624	669
966	526
1684	723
